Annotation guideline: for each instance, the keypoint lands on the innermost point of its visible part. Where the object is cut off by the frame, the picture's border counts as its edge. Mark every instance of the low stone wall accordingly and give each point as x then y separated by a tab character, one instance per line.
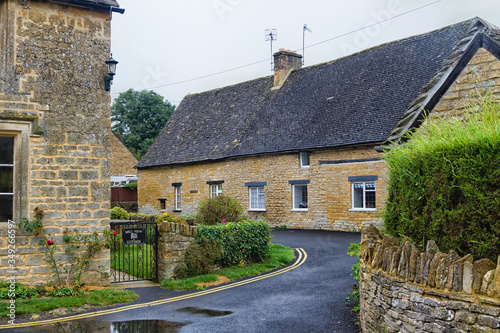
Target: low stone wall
173	240
406	289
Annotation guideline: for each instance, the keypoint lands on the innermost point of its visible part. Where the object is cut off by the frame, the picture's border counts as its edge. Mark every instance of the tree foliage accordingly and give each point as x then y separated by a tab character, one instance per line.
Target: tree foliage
445	183
139	116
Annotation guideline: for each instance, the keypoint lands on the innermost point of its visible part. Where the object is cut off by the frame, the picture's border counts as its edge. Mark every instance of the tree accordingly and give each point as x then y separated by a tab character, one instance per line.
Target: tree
139	116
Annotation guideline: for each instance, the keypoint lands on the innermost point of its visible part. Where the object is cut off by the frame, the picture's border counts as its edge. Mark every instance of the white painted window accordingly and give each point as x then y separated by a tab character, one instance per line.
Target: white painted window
7	168
363	196
304	159
177	197
215	190
257	198
300	197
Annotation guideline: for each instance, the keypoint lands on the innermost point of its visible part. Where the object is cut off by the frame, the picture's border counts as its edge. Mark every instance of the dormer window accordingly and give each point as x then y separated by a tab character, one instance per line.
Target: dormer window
304	159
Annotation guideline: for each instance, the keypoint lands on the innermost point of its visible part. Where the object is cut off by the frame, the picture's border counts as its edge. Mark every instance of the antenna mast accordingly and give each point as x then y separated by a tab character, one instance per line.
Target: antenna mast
271	35
304	42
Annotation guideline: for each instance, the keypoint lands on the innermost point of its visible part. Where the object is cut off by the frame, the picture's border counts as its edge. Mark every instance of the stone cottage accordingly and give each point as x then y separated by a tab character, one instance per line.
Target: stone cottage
54	125
299	148
122	159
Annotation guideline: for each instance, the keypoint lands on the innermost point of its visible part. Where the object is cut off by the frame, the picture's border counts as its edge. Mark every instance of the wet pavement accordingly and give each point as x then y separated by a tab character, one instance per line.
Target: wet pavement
308	298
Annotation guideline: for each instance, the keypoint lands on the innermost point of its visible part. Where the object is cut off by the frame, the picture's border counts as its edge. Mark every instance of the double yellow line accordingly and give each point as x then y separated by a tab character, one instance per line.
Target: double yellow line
300	260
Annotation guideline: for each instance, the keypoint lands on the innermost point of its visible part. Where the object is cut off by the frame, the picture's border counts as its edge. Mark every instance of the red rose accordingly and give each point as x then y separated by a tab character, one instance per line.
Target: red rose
49	242
114	232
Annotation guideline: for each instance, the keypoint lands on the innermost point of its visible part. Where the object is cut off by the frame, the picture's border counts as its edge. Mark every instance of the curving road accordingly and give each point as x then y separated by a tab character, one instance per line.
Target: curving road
308	298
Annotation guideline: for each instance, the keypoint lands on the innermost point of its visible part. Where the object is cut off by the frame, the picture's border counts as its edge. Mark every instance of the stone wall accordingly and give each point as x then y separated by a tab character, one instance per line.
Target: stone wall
406	289
329	190
122	160
54	104
173	241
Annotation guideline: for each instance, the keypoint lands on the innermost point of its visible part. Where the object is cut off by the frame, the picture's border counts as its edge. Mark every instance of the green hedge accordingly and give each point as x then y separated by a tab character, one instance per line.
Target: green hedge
444	183
242	242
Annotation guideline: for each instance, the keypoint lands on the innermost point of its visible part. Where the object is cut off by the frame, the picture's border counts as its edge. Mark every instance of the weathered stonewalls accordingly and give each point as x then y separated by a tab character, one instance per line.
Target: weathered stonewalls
173	241
54	103
122	160
329	190
406	289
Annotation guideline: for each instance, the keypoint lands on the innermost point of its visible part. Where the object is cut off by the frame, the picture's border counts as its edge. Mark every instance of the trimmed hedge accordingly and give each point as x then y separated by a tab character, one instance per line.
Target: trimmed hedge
241	243
445	183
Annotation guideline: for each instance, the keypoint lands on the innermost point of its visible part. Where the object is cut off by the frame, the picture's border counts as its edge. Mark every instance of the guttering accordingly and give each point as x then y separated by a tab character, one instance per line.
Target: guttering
93	5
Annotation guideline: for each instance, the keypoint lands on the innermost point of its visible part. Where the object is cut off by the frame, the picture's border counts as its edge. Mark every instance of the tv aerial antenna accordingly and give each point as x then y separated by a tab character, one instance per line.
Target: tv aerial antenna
304	42
271	35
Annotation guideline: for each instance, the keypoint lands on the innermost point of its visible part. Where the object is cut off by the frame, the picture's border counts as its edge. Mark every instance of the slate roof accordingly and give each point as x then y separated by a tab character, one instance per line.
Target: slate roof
355	100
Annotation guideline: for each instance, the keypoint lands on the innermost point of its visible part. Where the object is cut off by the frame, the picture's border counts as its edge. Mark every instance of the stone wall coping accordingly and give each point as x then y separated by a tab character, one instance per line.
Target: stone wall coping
439	274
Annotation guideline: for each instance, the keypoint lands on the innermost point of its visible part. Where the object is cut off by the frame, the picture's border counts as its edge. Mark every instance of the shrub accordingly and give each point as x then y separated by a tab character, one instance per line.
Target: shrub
131	186
213	210
171	218
445	183
119	213
200	258
242	243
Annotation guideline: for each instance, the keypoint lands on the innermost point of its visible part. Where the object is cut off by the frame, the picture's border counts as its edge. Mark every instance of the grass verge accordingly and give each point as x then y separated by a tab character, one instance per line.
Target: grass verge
279	256
101	297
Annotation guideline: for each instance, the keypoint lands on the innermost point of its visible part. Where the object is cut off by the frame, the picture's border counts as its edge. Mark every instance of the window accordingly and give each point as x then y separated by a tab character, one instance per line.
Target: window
299	194
215	190
6	178
304	159
363	192
177	198
257	198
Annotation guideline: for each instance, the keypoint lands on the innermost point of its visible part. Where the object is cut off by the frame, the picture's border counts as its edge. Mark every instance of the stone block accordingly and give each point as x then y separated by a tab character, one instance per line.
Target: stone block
430	251
433	269
480	268
467	277
496	281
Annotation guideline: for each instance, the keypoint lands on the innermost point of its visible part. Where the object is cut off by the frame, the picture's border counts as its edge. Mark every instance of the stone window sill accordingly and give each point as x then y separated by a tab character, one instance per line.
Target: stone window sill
363	209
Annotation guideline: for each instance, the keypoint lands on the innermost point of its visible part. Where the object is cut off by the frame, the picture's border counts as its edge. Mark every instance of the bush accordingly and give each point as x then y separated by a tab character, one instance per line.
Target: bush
241	243
171	218
445	183
215	210
119	213
131	186
200	258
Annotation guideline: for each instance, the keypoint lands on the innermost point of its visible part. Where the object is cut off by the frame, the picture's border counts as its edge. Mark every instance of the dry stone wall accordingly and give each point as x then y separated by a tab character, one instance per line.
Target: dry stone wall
406	289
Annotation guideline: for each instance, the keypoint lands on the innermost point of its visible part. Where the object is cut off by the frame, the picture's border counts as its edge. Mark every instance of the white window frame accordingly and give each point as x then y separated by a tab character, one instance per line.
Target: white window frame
177	198
365	190
254	206
304	155
215	190
299	209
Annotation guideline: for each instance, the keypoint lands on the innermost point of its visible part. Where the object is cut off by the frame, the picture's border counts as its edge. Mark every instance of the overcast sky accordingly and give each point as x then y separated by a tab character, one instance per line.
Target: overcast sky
167	46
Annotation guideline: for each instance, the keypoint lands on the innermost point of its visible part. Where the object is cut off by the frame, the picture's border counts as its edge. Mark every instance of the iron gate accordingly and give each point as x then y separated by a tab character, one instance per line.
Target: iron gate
134	258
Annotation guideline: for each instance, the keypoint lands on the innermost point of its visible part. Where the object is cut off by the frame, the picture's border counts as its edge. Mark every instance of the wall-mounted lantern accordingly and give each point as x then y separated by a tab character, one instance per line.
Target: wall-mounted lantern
108	79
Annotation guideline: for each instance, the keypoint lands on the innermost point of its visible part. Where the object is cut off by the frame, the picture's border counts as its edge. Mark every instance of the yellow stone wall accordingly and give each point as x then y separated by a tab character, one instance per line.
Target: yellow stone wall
53	69
122	160
329	190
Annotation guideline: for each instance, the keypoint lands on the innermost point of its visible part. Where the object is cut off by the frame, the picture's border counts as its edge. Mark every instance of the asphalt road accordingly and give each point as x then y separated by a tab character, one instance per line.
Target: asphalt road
309	298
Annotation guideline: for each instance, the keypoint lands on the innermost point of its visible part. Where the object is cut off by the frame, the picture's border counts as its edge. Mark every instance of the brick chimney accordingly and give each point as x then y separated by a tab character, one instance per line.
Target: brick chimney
284	62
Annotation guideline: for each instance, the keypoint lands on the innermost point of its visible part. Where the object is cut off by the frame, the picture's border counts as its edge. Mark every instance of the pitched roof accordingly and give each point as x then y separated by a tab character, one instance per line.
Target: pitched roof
358	99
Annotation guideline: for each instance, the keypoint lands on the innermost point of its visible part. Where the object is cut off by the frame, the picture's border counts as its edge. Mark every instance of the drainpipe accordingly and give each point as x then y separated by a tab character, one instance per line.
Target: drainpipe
93	5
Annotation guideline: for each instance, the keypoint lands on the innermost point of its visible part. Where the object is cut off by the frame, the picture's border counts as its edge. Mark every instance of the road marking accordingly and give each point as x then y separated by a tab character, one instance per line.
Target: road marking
300	260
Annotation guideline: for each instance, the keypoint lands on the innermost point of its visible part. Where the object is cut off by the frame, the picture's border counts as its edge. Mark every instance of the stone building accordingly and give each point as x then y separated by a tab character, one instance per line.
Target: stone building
54	125
298	148
122	159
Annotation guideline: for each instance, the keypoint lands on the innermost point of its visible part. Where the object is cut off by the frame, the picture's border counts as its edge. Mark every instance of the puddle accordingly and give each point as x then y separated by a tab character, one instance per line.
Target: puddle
132	326
208	312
